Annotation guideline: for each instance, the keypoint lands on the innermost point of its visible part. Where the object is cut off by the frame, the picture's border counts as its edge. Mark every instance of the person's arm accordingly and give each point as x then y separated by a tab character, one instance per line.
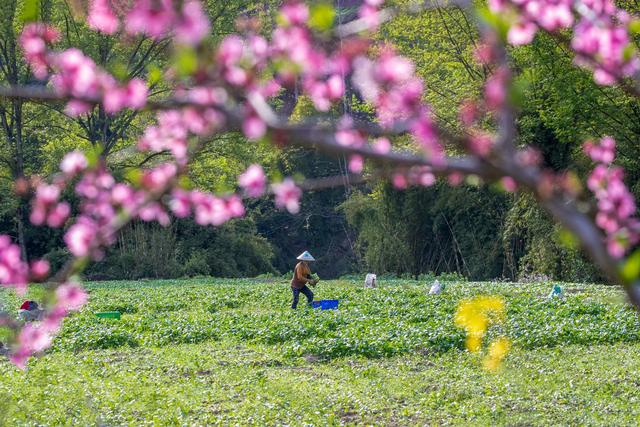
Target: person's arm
300	276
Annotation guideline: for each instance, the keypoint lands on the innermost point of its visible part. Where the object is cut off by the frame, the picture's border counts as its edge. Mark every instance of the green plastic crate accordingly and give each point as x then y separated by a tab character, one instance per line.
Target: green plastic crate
109	315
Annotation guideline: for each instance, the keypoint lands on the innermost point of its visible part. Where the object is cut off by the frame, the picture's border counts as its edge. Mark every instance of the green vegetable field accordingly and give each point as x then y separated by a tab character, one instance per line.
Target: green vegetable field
231	352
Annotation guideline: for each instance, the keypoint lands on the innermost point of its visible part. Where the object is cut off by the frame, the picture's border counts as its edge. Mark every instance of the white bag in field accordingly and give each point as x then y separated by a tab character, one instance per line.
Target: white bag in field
436	288
370	281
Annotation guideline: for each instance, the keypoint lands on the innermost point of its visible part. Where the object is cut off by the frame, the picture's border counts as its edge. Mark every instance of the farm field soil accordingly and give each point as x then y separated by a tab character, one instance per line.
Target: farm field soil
229	352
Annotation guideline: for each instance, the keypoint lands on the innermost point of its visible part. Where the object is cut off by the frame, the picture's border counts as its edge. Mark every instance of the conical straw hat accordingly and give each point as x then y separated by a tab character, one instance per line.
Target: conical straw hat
305	256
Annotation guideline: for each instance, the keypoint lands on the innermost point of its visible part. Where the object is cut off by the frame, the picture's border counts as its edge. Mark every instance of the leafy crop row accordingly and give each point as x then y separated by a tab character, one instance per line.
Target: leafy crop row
399	317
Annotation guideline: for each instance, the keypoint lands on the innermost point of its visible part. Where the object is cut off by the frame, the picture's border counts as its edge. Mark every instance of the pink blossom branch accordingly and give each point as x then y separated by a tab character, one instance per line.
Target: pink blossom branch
303	135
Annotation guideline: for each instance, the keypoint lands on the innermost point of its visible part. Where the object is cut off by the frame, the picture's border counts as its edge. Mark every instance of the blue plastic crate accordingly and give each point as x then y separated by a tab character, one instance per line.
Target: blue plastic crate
328	304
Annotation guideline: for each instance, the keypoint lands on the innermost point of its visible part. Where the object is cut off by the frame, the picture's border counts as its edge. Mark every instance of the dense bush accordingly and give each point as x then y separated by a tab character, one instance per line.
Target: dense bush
438	229
185	250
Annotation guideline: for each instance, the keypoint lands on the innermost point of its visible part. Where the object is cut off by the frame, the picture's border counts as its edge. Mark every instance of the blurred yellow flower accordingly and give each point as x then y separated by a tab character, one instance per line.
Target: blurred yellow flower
475	316
498	350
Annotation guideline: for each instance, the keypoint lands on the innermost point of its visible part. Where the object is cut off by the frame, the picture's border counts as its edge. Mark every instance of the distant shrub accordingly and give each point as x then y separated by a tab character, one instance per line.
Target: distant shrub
196	265
427	277
452	277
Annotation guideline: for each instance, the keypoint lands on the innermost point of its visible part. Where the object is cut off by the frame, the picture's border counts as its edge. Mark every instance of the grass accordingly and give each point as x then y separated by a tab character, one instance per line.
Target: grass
229	352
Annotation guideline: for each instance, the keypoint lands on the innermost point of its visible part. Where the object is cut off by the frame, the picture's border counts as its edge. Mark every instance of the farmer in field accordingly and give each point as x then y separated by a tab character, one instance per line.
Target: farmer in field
302	276
30	311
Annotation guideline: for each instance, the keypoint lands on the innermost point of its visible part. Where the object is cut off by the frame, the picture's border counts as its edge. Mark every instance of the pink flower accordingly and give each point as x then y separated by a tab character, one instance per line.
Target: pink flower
73	163
230	50
399	181
455	179
136	93
253	181
170	134
235	206
154	211
391	68
616	205
47	194
114	99
58	215
151	17
616	247
294	13
356	163
180	203
53	320
468	112
158	178
495	90
254	127
20	357
426	178
75	108
555	16
382	145
423	130
529	157
604	152
34	40
122	195
209	210
77	74
71	296
259	47
39	270
33	338
13	271
522	33
287	195
335	87
193	24
101	17
349	138
79	238
370	14
480	143
509	184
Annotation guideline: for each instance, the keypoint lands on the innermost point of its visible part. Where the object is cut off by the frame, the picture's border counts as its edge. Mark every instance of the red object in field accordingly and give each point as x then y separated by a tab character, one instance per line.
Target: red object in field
28	305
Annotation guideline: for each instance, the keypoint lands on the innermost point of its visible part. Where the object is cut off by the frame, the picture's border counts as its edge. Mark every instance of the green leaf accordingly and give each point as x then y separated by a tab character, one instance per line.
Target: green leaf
185	182
634	26
133	175
119	70
186	61
629	52
322	16
154	74
473	180
567	238
631	267
93	155
30	10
